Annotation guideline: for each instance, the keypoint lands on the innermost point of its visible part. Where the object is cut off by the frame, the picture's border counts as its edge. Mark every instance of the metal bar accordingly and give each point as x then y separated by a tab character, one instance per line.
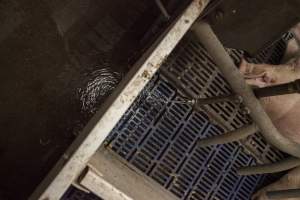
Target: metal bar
187	93
211	100
162	9
197	101
284	194
283	165
89	140
109	177
282	89
232	136
216	50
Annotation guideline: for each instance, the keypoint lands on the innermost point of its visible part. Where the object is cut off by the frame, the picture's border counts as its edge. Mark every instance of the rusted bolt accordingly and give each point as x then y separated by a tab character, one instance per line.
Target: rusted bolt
146	74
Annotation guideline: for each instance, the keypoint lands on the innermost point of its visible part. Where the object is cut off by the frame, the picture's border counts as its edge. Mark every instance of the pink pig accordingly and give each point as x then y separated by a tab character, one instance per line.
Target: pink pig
283	110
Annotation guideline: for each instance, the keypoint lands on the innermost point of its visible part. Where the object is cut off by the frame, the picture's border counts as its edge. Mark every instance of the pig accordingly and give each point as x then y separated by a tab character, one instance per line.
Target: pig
283	110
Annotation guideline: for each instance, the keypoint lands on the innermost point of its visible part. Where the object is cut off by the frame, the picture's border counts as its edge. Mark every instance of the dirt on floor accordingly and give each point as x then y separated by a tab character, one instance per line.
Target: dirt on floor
59	60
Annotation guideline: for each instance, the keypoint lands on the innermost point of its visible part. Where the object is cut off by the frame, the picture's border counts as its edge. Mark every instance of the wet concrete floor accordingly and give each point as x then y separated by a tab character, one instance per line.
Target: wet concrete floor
59	59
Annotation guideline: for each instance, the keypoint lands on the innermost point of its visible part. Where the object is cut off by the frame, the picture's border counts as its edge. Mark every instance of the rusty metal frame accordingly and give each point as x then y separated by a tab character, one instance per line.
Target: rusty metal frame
86	144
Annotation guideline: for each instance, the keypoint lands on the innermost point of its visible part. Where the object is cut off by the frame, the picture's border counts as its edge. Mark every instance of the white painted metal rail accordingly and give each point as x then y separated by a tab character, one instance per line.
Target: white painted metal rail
88	142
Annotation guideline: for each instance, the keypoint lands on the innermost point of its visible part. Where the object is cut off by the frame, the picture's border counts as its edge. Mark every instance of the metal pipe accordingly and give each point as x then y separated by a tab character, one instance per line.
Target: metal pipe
211	100
283	194
197	101
232	136
231	73
282	89
283	165
162	9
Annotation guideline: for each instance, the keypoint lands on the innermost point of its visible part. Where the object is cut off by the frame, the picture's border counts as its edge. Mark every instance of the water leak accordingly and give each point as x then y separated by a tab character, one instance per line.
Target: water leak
59	60
100	83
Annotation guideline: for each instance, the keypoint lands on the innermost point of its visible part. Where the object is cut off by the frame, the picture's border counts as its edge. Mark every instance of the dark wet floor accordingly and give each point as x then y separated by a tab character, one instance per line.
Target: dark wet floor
59	59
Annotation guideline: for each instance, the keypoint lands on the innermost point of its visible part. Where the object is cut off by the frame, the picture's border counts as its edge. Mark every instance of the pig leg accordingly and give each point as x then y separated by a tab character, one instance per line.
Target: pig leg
290	181
259	75
266	74
263	75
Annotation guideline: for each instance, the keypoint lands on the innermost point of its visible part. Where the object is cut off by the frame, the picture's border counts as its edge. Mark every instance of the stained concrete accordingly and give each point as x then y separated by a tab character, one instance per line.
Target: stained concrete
58	62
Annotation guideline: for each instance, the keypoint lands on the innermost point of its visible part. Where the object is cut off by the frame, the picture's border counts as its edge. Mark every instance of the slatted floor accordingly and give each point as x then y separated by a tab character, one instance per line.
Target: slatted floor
158	134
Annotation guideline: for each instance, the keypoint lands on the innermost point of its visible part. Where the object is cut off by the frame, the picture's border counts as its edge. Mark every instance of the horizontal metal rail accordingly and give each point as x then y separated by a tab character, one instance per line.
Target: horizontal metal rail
276	90
280	166
284	194
231	136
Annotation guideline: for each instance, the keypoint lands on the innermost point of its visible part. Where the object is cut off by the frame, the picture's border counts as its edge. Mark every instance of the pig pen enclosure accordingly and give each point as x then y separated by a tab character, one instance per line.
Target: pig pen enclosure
61	59
158	133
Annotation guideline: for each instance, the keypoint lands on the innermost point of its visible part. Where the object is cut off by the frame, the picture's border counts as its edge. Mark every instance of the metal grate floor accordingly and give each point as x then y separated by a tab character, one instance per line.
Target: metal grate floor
159	139
158	133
